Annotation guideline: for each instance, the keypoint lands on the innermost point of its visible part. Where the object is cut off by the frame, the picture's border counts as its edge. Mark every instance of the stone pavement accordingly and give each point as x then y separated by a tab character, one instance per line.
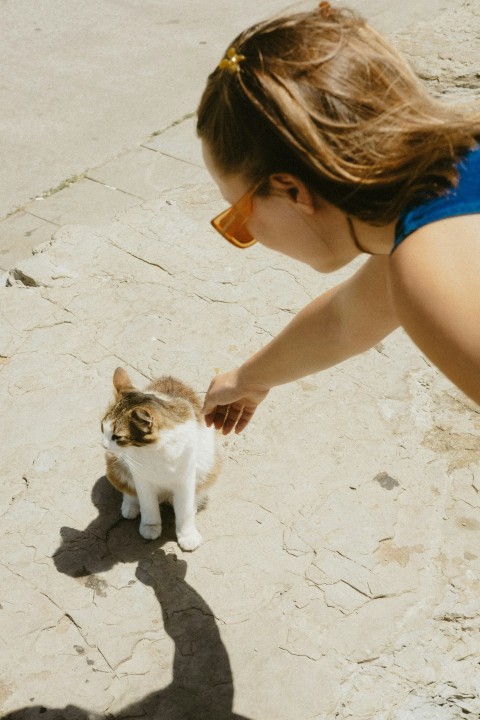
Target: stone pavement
339	574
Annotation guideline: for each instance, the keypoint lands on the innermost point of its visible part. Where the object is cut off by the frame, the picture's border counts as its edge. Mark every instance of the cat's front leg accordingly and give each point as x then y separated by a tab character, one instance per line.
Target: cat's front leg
184	506
150	522
130	507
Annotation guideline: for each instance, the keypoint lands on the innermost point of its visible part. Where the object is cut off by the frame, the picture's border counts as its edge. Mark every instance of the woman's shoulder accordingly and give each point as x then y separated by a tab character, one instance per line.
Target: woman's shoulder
462	199
433	280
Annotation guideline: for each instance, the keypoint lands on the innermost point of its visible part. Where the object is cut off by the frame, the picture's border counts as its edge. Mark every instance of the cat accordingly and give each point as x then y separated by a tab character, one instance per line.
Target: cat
159	449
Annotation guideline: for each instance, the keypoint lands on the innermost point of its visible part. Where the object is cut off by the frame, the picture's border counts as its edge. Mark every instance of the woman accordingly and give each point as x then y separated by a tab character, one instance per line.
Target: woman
327	146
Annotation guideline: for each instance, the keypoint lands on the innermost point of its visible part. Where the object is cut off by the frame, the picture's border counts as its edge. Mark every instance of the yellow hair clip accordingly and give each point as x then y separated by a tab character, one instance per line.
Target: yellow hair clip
327	10
232	61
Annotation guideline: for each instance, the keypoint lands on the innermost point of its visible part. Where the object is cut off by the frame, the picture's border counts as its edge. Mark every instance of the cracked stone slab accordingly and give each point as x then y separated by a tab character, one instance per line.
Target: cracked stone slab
343	559
20	234
444	50
339	571
85	201
145	174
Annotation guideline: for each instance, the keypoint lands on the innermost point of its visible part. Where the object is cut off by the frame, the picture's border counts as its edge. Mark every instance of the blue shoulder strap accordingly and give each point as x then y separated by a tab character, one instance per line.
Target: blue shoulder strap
463	199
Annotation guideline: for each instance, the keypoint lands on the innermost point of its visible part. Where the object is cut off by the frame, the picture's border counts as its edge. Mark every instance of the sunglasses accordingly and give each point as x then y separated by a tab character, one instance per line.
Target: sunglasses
231	222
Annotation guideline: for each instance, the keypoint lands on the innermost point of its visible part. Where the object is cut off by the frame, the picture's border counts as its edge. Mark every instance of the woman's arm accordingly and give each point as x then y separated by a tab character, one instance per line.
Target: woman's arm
435	282
346	320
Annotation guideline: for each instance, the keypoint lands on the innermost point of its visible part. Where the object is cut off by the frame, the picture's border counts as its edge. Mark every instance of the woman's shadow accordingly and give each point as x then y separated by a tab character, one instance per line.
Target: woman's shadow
202	684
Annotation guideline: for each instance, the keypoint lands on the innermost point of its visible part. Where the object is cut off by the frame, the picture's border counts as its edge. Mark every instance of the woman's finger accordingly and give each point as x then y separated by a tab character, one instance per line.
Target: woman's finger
209	418
219	395
219	415
244	419
227	418
231	419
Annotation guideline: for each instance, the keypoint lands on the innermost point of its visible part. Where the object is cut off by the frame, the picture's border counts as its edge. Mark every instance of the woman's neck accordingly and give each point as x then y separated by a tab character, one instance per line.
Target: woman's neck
372	239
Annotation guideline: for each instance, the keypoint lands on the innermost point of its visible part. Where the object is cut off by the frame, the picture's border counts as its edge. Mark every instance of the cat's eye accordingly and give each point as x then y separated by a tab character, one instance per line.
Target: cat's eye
116	437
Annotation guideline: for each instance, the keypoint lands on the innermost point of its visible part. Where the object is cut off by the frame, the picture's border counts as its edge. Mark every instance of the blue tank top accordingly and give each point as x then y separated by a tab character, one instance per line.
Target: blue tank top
463	199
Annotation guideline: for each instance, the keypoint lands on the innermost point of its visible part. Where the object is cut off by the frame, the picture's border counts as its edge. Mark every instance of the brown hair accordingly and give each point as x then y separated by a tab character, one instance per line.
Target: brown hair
323	96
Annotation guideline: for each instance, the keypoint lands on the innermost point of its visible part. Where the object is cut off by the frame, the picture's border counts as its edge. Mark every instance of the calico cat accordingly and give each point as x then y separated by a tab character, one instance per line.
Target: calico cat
158	449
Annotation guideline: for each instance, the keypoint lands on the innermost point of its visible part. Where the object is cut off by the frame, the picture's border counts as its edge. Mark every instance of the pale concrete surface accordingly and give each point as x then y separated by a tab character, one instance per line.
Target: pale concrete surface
81	82
170	159
339	575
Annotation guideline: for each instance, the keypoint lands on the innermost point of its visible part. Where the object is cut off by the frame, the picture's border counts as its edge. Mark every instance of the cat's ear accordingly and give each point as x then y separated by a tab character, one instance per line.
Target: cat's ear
121	381
142	417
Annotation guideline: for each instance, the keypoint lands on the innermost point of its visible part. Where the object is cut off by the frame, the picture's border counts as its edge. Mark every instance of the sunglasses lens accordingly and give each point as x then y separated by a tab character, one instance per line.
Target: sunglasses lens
231	225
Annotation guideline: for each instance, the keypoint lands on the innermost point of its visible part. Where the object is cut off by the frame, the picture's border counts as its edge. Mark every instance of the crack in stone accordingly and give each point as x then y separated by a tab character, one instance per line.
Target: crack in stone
368	660
297	654
154	236
361	592
210	300
465	502
286	271
56	324
111	187
147	262
189	609
7	567
252	502
79	628
72	620
181	120
264	331
352	560
56	305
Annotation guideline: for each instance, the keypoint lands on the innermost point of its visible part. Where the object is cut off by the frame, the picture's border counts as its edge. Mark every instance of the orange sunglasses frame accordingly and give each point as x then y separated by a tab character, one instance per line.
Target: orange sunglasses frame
231	222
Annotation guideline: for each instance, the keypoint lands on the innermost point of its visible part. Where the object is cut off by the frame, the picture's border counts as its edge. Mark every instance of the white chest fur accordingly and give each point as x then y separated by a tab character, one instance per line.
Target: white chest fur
169	460
184	454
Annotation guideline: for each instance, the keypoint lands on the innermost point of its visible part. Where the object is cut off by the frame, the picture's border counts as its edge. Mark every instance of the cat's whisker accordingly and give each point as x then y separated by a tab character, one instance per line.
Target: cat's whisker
130	461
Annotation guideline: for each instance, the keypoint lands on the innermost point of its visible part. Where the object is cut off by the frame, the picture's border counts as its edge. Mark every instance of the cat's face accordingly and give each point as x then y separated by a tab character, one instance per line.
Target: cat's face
138	419
134	420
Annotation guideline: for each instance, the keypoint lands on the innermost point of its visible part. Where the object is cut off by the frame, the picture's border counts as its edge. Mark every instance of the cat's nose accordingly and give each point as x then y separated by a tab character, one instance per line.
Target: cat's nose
105	443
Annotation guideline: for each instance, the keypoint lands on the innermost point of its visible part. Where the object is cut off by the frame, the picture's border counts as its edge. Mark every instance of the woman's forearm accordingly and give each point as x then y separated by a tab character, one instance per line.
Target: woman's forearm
342	322
309	343
346	320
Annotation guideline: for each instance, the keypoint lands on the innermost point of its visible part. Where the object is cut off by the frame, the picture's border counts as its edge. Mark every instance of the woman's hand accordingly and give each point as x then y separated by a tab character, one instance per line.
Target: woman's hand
230	403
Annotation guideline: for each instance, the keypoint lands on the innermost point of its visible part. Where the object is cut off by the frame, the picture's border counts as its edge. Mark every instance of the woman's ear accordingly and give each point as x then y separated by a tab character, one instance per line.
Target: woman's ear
296	190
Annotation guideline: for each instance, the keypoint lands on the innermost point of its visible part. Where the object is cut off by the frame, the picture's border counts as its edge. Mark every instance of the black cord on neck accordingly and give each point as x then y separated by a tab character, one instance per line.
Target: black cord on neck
354	237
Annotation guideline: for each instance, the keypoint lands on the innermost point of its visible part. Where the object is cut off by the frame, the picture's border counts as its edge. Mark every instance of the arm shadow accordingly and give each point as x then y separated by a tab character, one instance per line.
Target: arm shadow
202	684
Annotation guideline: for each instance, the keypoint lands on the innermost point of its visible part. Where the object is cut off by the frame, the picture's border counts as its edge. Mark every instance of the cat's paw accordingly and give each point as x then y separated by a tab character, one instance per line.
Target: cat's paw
150	532
130	507
190	541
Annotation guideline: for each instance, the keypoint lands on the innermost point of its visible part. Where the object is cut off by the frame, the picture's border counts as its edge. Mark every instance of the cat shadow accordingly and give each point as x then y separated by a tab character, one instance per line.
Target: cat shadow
202	684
